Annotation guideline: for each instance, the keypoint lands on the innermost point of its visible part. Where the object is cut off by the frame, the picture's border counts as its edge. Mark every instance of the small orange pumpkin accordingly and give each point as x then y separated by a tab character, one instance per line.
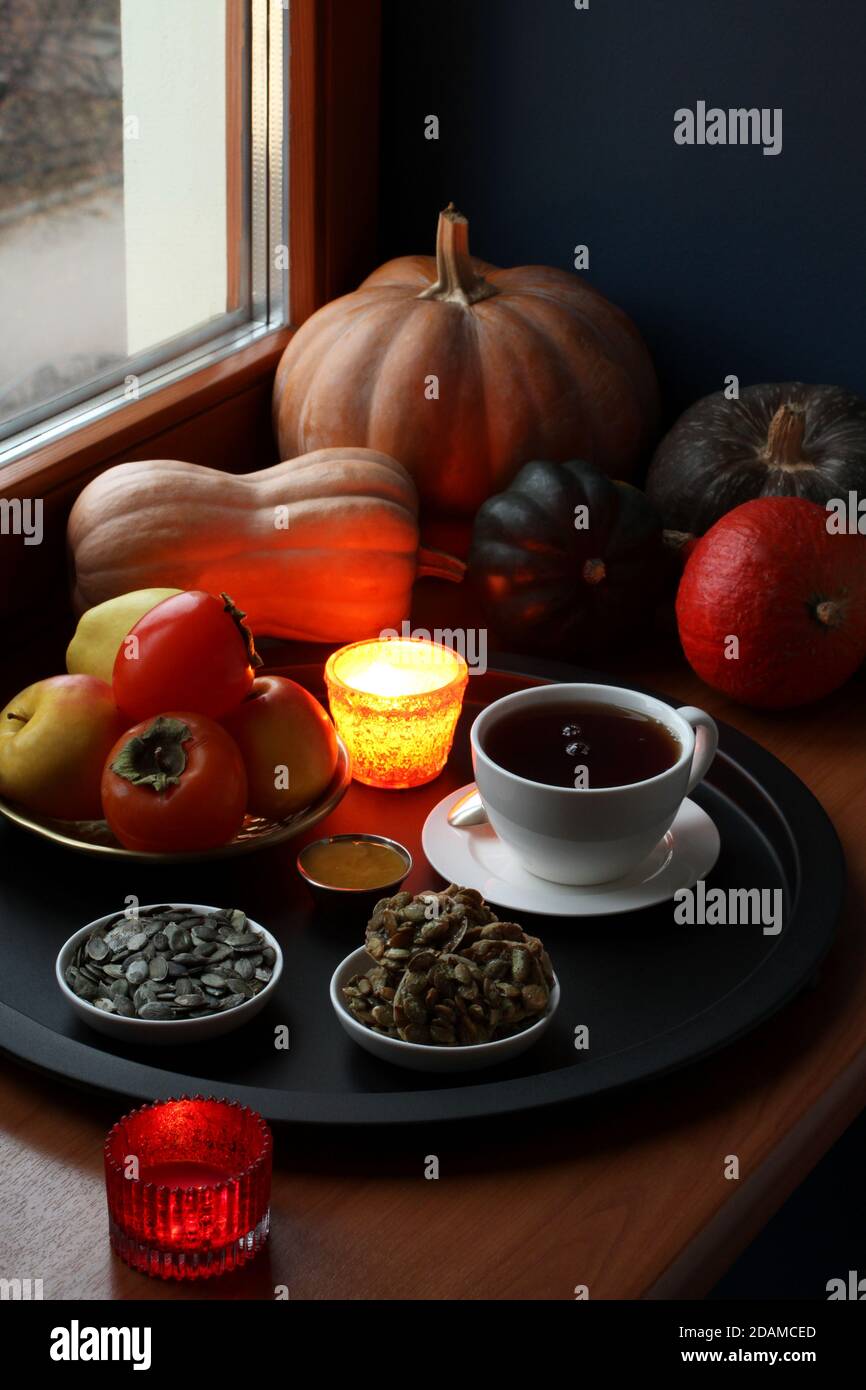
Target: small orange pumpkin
464	372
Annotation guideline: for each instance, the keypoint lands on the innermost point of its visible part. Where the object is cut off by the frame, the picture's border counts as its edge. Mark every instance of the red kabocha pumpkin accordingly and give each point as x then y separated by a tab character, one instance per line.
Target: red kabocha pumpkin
464	372
792	595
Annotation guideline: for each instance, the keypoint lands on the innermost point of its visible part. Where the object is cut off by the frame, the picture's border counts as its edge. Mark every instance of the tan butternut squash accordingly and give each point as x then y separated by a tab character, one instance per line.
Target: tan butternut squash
321	548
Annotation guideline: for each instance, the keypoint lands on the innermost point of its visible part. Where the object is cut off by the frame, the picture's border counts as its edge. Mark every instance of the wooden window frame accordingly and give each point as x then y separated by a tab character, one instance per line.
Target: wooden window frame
236	15
334	63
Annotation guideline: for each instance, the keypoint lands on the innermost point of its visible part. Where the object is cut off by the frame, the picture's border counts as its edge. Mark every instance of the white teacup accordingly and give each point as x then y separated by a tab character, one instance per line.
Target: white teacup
590	835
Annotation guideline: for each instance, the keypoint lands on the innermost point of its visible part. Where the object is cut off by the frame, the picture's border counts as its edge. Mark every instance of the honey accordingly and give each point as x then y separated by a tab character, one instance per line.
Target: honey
353	864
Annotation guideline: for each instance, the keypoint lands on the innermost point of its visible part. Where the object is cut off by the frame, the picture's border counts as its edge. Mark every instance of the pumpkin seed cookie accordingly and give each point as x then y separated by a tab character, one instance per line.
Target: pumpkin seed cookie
402	925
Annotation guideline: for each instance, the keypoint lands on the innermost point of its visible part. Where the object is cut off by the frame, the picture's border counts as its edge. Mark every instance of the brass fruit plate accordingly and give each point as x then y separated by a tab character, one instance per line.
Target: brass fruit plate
94	836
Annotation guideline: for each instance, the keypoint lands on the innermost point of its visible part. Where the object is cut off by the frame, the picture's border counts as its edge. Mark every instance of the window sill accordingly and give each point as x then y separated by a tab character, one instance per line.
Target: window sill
135	423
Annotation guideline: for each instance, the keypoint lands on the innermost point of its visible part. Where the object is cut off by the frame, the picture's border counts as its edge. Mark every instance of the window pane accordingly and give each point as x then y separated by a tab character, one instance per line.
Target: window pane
120	133
174	168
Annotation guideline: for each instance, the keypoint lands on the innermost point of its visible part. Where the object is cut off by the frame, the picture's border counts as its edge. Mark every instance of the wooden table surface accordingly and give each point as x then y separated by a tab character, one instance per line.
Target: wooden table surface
625	1194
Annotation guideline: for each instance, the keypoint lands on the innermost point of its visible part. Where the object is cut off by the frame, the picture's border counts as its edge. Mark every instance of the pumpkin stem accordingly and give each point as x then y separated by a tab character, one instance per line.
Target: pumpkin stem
457	280
677	540
436	564
784	446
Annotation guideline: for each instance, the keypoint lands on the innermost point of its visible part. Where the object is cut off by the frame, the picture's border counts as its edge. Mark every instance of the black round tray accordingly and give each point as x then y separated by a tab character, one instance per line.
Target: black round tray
653	994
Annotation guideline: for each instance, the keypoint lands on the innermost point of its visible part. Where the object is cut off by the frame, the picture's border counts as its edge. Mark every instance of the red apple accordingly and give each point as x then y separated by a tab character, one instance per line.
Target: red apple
54	739
288	746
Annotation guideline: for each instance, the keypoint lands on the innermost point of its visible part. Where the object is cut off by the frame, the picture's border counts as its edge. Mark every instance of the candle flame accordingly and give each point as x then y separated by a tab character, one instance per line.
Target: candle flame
396	669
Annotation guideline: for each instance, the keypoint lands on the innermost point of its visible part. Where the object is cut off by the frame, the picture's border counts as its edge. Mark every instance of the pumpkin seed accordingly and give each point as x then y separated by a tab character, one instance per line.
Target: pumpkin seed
231	1002
214	981
117	938
156	1011
189	1001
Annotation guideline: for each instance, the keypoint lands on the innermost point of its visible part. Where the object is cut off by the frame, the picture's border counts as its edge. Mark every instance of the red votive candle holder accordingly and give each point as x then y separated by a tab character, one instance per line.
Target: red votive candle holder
189	1187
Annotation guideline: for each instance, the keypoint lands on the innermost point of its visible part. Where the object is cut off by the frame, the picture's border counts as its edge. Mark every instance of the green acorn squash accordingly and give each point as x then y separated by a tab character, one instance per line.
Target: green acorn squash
567	560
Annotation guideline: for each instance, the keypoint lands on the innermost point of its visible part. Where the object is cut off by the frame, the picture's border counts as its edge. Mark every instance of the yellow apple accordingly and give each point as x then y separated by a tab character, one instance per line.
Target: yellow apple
288	745
101	630
54	739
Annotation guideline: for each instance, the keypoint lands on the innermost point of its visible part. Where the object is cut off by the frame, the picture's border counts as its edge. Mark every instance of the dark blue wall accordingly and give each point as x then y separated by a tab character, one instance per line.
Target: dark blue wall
557	128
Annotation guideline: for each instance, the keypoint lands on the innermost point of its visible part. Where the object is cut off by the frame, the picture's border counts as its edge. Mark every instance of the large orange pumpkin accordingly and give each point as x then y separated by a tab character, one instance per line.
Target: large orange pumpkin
464	372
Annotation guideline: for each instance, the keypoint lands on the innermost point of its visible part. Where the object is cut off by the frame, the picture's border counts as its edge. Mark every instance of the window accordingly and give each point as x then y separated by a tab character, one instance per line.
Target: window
143	218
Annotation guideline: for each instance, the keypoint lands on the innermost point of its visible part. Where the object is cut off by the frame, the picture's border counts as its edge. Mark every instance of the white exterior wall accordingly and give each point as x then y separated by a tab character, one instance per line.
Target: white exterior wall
174	166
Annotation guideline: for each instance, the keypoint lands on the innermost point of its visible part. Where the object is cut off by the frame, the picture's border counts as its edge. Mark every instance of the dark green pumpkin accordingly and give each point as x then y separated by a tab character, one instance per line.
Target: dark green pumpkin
552	586
782	439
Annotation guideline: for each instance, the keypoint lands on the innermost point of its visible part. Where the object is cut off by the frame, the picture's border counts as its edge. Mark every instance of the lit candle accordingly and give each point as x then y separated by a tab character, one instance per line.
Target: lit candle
189	1187
395	704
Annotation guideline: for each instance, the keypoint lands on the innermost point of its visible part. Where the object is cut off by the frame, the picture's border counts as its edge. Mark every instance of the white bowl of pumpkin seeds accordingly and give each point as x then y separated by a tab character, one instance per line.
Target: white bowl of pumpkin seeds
169	972
431	1057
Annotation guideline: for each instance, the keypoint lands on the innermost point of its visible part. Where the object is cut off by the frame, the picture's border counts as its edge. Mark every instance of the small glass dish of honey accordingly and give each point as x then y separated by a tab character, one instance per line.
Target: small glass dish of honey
353	869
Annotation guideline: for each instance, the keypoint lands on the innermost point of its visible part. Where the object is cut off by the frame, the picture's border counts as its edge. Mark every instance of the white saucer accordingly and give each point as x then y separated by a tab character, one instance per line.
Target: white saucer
475	857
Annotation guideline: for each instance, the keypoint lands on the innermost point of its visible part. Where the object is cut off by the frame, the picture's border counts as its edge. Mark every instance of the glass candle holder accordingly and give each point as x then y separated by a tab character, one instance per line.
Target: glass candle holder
189	1187
395	704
